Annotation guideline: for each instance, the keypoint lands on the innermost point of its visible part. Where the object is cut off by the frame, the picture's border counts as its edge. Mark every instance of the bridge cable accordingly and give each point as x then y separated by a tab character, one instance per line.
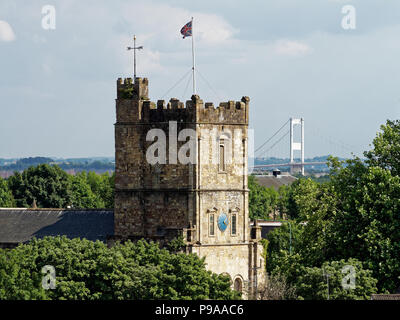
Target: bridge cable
277	142
272	136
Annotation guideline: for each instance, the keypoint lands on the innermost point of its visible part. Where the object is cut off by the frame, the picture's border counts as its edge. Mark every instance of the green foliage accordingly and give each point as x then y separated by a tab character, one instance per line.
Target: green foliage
283	198
176	245
6	197
48	185
307	278
103	187
312	283
288	266
262	200
51	187
351	219
282	242
16	280
265	243
91	190
386	151
126	93
366	225
301	199
82	194
91	271
313	242
320	179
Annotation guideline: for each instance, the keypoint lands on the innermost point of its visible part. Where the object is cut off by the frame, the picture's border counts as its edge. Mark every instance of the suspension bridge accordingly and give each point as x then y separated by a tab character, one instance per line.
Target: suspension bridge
281	141
285	137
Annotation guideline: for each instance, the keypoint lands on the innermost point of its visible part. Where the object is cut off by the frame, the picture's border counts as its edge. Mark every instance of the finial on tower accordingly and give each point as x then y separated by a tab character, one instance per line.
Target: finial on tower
134	48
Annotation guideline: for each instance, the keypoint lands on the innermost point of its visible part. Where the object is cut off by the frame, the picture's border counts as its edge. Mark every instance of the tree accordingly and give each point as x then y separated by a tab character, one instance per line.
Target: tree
282	201
51	187
313	244
276	287
312	283
282	242
103	187
386	151
16	280
82	194
353	218
6	197
48	185
366	224
87	270
302	199
262	200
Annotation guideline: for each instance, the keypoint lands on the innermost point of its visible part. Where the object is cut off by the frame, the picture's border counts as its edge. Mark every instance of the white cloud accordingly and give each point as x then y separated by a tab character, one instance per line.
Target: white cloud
291	48
167	20
6	32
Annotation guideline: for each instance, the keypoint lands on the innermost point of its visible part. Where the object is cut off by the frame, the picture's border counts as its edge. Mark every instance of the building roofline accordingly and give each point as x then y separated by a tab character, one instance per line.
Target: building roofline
55	209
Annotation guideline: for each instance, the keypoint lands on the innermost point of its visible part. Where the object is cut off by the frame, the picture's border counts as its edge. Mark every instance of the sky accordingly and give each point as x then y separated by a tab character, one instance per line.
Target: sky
293	58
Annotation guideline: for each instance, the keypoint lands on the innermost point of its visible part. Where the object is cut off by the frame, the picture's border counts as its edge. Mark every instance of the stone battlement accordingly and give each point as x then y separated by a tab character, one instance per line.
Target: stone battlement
127	89
136	106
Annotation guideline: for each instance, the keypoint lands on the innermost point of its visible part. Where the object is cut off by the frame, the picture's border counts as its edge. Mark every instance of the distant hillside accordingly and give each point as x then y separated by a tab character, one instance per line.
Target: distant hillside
311	169
71	165
104	164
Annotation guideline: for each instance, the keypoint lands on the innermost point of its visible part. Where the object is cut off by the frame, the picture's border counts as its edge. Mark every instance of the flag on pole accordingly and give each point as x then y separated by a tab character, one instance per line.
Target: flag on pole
186	30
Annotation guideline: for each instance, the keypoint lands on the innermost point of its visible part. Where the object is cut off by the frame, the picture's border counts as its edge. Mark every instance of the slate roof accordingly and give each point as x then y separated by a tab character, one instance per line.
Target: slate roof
20	225
275	182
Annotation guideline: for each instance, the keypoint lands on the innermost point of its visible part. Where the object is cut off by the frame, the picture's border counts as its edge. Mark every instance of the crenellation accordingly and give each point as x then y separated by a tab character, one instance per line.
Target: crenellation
161	105
240	105
229	112
222	105
141	88
135	95
124	89
133	90
176	104
149	105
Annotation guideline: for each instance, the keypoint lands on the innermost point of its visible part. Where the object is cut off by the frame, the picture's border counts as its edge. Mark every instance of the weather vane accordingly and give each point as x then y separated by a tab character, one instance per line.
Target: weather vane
134	48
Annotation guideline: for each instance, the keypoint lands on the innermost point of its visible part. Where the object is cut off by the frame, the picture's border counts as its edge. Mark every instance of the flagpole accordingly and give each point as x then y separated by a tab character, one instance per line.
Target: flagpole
134	58
193	61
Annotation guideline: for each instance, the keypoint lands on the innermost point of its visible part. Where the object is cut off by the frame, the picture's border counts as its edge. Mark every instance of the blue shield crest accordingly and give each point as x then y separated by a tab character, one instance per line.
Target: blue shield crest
223	222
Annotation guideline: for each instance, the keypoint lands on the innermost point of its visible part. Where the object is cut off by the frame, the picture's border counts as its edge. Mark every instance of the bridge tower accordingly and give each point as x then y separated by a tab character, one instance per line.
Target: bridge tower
296	146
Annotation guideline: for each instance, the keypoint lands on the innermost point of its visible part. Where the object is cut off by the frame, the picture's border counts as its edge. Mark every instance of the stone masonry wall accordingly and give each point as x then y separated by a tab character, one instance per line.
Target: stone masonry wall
153	200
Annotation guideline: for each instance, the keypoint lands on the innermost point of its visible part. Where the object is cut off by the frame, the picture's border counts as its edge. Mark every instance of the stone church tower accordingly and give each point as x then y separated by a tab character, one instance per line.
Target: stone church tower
182	171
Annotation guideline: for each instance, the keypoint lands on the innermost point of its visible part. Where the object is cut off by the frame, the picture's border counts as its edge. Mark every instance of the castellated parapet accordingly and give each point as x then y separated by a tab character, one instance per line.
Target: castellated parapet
135	106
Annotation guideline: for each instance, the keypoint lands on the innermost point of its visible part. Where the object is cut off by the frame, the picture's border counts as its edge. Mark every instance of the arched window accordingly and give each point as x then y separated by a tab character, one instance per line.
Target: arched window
233	224
238	285
212	224
211	220
222	156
